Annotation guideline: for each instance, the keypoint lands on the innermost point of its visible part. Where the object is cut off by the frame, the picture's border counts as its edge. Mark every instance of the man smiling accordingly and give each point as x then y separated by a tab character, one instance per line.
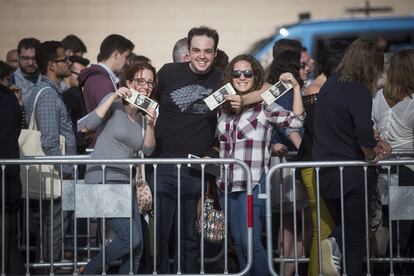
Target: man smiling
185	125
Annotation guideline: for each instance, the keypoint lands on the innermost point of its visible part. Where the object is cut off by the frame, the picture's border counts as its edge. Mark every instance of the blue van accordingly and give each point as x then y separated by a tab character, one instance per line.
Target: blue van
395	32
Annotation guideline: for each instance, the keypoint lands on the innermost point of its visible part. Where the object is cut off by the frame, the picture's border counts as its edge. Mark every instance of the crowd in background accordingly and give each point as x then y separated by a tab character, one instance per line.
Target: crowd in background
344	113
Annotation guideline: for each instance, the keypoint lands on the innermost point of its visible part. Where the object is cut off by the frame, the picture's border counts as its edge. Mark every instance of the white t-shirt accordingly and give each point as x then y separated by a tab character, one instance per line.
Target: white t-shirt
395	124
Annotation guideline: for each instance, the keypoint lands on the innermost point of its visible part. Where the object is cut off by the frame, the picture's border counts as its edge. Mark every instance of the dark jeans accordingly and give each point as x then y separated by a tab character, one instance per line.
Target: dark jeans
354	219
167	206
120	245
14	264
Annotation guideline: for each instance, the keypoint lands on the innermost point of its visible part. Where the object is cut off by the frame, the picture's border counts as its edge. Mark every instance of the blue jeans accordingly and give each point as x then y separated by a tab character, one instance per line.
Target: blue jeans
238	227
120	247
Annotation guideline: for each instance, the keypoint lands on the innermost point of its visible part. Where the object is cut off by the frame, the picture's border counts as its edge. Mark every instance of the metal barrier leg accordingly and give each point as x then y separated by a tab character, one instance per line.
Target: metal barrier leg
27	221
341	170
226	217
366	221
3	219
178	219
155	219
318	206
202	220
390	228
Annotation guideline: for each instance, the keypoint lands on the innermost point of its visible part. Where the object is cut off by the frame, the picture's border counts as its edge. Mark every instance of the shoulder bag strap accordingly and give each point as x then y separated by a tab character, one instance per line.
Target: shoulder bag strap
142	166
33	124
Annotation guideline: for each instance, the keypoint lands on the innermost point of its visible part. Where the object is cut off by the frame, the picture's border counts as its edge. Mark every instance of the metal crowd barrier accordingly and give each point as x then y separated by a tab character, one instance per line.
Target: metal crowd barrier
77	194
400	207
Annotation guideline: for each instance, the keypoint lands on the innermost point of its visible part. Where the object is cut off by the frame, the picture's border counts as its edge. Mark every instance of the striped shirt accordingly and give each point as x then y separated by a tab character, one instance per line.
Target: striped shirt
246	136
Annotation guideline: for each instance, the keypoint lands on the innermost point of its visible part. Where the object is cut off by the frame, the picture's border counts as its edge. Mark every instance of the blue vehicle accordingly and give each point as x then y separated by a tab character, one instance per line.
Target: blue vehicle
393	32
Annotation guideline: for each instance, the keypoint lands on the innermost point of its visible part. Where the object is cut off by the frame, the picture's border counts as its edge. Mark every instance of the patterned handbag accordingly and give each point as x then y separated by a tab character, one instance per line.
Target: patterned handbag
144	196
213	219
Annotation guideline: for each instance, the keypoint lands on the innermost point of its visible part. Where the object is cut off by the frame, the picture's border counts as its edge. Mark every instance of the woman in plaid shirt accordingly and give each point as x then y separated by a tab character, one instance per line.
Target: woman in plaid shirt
244	133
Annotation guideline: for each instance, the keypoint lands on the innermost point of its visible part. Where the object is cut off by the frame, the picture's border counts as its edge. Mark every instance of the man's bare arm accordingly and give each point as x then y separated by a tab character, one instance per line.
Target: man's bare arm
255	96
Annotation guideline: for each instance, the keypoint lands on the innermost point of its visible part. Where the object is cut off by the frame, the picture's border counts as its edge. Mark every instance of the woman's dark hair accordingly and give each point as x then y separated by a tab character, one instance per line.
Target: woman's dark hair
5	69
400	76
258	73
331	55
133	69
363	62
286	61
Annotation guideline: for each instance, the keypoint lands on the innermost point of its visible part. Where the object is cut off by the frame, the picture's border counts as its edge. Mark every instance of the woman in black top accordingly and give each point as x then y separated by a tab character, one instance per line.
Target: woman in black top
343	130
331	55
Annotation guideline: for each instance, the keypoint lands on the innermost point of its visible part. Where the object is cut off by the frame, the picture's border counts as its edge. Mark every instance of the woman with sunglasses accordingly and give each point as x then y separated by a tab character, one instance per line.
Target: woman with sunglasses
246	136
121	137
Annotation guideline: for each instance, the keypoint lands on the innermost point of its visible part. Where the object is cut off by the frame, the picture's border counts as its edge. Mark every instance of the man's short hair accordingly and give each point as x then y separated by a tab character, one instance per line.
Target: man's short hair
5	69
287	44
112	43
180	48
27	43
203	30
74	43
80	60
46	52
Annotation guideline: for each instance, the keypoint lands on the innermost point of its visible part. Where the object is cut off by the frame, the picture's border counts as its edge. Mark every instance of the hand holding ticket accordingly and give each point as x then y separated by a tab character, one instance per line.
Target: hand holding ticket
217	97
276	91
141	101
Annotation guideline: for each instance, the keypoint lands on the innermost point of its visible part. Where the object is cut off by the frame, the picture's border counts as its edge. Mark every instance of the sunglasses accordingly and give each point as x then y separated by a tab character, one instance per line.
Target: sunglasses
303	65
246	73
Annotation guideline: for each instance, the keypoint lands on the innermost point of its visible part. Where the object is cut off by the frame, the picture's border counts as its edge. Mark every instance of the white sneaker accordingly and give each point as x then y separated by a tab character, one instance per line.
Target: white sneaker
331	258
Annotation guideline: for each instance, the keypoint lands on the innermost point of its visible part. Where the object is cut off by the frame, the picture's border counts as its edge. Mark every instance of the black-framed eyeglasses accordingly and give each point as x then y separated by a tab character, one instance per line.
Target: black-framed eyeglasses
142	82
65	60
246	73
75	73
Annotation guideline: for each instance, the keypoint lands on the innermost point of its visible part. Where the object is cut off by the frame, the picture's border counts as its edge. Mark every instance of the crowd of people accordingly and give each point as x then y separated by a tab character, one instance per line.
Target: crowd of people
337	116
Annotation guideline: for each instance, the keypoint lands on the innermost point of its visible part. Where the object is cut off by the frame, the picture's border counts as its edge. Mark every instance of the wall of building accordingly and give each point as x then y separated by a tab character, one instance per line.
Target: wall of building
155	25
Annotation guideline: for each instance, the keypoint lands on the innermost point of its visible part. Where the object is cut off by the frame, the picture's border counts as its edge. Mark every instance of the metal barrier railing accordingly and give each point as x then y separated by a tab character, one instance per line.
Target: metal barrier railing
75	161
340	165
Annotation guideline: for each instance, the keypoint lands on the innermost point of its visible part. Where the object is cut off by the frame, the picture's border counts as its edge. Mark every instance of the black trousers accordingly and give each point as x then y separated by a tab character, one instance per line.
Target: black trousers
167	210
14	264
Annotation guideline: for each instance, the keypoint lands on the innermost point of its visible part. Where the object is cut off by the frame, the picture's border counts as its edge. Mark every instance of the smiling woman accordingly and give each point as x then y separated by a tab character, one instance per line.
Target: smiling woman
122	136
245	135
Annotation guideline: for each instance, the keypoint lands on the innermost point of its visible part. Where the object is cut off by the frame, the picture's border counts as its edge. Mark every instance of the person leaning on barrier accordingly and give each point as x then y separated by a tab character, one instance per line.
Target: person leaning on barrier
393	115
250	145
331	55
344	131
121	138
10	127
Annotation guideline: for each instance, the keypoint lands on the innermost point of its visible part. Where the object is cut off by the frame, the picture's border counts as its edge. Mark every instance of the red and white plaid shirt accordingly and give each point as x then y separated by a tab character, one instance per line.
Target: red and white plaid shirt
246	136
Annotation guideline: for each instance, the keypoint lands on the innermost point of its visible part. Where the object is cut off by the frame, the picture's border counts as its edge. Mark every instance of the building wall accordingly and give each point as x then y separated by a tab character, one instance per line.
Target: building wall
155	25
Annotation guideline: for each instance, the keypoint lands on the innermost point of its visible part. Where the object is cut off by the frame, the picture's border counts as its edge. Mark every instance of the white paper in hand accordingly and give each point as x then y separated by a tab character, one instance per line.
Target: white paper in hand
217	97
276	91
141	101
